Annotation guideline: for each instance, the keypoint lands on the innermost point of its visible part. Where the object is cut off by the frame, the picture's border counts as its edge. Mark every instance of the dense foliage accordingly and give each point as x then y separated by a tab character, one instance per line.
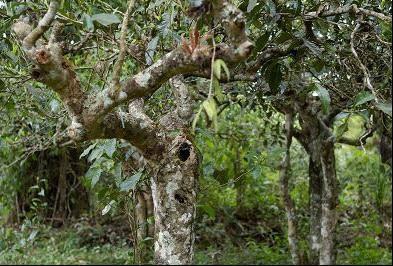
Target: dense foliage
65	201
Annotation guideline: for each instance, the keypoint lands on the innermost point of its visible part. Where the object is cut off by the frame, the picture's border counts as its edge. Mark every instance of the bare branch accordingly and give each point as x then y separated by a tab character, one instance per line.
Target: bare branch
43	25
367	80
357	142
122	52
347	9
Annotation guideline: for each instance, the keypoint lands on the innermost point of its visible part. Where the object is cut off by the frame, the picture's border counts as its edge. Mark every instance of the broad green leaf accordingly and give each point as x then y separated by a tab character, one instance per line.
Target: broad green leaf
106	19
363	97
385	107
318	65
130	182
196	118
88	22
218	90
314	48
324	98
210	107
108	207
218	64
209	211
261	42
273	76
341	129
95	154
94	174
165	24
151	49
109	147
87	150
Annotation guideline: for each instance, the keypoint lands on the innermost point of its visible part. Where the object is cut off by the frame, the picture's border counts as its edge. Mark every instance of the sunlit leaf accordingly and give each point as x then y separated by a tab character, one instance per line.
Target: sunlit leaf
151	49
93	174
87	150
324	98
105	19
385	107
363	97
130	182
108	207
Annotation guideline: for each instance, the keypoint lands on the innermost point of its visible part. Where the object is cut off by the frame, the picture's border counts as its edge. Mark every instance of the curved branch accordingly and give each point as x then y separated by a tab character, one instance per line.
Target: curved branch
347	9
43	25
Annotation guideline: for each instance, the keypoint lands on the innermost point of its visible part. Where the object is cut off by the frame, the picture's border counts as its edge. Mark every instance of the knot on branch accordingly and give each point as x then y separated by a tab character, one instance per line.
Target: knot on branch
42	56
76	131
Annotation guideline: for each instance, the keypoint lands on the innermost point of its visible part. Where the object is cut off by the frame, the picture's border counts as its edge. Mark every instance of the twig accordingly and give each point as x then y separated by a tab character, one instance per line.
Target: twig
122	52
362	67
212	68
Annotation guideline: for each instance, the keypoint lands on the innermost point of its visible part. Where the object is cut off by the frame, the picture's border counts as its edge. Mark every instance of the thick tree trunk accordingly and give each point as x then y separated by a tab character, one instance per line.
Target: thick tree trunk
174	195
329	204
315	208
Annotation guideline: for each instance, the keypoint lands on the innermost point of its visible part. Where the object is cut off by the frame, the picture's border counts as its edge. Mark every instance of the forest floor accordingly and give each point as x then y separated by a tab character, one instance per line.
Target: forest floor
67	246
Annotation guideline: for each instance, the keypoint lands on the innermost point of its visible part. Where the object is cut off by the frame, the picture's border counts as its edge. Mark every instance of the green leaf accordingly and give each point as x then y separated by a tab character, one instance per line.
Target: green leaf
88	22
218	64
385	107
324	98
314	48
130	182
341	129
87	150
108	207
196	118
363	97
209	211
106	19
165	24
273	76
151	49
94	174
109	147
210	107
95	154
261	42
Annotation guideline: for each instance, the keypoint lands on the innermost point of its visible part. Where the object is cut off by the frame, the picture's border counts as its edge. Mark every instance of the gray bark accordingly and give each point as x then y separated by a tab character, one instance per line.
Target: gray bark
317	139
174	189
329	204
315	208
285	174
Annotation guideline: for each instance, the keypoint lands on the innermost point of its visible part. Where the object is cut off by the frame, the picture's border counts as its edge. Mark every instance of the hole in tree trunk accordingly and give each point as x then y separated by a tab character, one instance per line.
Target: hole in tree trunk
180	198
35	73
184	151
